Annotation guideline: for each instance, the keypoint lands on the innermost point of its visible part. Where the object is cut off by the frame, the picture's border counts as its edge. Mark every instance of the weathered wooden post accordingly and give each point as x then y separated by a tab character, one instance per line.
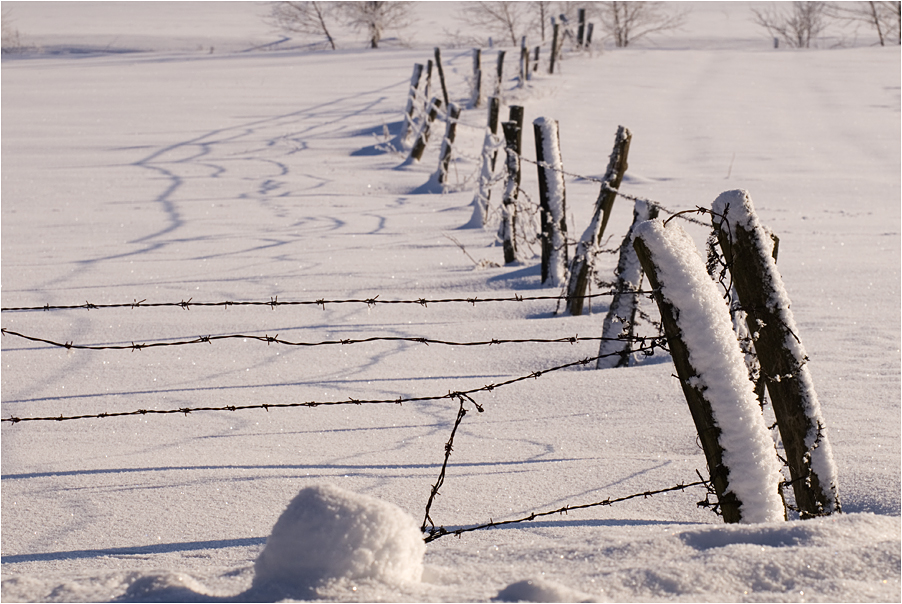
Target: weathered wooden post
499	75
512	139
584	258
535	59
524	63
747	250
742	460
448	143
476	99
427	89
589	29
416	153
487	172
411	101
552	201
441	74
617	330
581	29
554	39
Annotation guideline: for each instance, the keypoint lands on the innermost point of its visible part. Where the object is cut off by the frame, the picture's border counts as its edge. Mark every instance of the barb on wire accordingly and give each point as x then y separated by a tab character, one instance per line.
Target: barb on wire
436	533
650	345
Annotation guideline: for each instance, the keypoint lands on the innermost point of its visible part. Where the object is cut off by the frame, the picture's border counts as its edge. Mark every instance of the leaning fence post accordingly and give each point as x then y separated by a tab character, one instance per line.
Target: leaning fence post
552	201
448	143
617	330
589	29
476	99
584	258
416	153
747	250
441	74
508	233
742	460
554	36
411	100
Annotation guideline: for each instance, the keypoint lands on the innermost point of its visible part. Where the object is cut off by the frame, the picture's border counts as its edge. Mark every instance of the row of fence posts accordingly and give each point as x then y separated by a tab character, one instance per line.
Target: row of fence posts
749	253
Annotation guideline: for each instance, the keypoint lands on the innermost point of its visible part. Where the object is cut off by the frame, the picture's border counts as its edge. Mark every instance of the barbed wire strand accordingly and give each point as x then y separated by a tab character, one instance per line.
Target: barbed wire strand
343	342
648	347
442	531
274	302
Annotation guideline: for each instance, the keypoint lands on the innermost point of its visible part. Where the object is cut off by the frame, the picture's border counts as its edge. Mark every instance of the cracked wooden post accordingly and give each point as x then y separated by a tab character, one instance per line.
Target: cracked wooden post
615	349
552	201
508	231
740	454
748	250
584	258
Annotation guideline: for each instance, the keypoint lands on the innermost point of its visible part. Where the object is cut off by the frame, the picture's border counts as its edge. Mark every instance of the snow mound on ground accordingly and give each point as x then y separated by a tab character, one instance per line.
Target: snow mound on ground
330	533
541	590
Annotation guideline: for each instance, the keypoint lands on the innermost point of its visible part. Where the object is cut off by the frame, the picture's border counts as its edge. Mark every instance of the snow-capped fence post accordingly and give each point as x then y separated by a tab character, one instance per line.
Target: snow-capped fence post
748	252
554	38
584	258
508	234
552	201
741	457
411	100
441	74
487	171
476	99
416	153
448	143
619	321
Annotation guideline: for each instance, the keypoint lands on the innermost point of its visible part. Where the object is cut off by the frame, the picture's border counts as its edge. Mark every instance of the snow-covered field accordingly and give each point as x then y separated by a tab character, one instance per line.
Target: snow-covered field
194	170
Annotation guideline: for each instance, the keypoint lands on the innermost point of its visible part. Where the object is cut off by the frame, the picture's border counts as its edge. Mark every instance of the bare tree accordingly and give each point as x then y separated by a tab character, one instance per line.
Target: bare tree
627	22
11	41
796	24
507	19
882	16
306	18
377	17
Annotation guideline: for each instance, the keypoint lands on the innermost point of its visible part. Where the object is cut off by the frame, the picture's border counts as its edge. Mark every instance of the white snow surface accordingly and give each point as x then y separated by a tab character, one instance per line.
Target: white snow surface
704	321
170	172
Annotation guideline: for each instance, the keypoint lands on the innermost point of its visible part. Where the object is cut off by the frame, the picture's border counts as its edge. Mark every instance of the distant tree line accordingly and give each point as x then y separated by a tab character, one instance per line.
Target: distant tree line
795	24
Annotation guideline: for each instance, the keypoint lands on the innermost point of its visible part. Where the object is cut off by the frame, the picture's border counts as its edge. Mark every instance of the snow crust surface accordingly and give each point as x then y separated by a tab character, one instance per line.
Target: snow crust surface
179	151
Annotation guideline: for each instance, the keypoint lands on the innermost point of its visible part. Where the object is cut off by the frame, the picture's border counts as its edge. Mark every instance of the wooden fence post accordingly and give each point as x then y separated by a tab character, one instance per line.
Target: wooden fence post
535	59
499	73
411	100
487	172
581	30
476	100
584	258
622	313
512	139
742	461
552	201
441	74
589	29
416	153
554	38
448	143
748	252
